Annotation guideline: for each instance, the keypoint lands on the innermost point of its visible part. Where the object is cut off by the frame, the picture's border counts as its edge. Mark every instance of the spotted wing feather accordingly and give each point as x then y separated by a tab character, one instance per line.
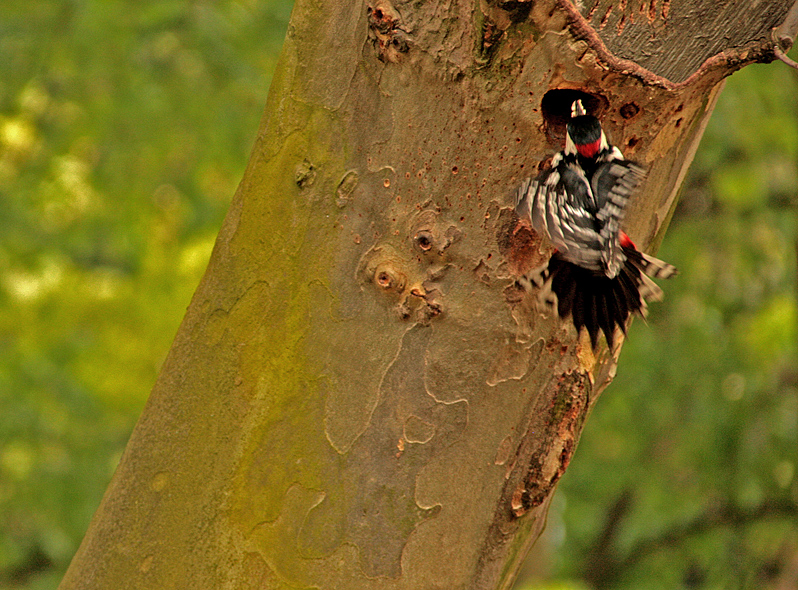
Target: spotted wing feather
565	216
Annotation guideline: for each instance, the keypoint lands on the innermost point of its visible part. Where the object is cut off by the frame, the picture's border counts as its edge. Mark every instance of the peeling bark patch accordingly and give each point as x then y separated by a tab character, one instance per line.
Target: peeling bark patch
418	430
482	273
547	463
504	450
518	244
652	11
374	506
512	362
343	194
555	419
605	18
431	308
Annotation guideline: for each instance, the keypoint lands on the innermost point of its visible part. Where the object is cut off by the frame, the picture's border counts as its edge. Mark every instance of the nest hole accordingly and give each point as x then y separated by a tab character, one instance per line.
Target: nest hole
556	108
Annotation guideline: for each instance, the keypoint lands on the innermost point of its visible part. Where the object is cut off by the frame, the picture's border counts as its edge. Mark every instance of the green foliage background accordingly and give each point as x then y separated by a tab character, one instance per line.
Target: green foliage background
124	130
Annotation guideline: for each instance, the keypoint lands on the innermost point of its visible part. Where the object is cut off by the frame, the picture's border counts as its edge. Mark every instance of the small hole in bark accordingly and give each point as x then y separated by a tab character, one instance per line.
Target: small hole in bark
423	240
629	110
388	278
632	142
678	122
378	13
401	41
556	108
384	280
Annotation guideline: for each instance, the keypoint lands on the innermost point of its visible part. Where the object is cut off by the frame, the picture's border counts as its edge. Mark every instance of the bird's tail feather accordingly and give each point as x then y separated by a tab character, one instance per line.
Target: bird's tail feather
595	302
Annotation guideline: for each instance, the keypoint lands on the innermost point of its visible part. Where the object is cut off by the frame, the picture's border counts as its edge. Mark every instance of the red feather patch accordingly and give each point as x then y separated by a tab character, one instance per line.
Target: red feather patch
589	150
626	242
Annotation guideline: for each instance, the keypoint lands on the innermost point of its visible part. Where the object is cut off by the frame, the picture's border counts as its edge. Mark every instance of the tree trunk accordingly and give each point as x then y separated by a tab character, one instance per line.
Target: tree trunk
358	396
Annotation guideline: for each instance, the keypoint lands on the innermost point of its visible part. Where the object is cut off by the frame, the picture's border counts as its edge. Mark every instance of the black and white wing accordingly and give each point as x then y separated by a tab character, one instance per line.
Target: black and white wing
613	183
560	204
596	276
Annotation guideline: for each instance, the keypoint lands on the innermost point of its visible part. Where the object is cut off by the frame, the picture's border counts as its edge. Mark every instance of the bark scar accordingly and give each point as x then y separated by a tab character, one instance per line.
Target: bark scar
387	31
547	464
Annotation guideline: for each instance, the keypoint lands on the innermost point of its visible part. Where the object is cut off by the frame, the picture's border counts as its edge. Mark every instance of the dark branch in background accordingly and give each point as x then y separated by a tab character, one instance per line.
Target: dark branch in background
601	563
603	569
725	516
21	574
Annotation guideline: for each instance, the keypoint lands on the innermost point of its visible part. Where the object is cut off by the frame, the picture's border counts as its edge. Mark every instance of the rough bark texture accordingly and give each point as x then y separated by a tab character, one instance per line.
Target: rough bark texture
673	38
358	397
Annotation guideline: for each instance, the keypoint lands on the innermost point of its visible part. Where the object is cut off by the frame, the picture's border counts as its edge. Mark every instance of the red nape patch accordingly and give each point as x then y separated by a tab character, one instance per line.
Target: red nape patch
588	150
626	242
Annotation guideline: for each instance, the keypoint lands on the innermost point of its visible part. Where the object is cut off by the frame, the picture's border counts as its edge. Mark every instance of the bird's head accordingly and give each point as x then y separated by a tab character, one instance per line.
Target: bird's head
584	135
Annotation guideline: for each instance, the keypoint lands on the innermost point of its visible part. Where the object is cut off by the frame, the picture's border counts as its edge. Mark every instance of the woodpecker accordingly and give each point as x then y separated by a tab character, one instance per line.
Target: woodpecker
597	276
